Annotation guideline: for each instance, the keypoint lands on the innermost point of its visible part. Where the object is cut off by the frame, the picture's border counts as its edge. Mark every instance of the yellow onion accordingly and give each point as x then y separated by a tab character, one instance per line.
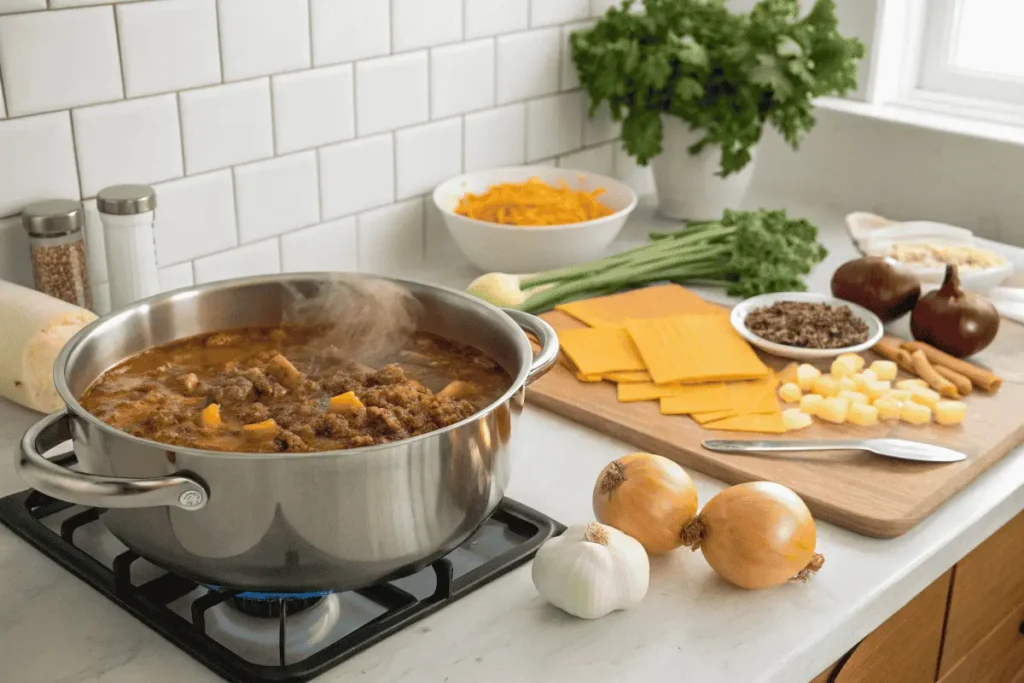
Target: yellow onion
756	535
647	497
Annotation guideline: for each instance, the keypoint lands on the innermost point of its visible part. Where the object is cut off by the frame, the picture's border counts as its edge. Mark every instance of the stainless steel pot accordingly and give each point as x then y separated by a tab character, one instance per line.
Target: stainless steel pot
285	522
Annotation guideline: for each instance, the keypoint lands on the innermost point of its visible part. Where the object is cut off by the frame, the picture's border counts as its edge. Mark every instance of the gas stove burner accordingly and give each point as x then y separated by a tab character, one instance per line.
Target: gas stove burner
251	637
275	604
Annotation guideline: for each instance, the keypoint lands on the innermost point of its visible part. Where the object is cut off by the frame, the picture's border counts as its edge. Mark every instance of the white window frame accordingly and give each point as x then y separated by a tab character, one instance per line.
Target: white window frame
938	73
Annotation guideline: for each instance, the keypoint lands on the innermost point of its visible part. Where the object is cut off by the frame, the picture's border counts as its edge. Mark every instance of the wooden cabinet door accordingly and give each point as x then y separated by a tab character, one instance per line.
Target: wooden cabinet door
998	658
988	585
905	648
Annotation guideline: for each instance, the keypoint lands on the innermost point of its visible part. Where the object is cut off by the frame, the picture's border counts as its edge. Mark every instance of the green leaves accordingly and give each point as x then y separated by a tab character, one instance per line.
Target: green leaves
725	74
641	135
748	252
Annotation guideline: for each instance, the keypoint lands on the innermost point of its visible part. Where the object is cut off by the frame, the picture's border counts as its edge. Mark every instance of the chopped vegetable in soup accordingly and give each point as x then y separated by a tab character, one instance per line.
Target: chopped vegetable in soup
284	389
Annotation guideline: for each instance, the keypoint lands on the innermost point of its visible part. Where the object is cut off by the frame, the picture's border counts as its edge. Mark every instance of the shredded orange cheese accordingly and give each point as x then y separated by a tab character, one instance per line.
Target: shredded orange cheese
533	203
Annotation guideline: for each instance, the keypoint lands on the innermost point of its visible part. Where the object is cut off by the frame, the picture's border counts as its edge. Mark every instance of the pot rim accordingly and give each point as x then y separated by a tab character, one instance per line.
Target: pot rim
73	406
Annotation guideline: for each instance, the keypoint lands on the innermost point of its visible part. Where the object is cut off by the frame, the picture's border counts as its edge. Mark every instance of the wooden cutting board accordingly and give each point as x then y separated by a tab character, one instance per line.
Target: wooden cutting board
865	493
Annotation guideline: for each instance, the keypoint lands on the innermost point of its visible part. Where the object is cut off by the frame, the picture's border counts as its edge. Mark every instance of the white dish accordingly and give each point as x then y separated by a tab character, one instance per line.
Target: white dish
517	249
980	280
741	310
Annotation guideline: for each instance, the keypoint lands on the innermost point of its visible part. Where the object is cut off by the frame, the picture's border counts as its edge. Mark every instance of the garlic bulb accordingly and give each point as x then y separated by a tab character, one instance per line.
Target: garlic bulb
591	570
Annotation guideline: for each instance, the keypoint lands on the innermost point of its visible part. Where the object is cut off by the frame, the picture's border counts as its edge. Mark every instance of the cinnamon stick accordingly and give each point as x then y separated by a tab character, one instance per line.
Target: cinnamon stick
963	385
891	348
980	377
926	371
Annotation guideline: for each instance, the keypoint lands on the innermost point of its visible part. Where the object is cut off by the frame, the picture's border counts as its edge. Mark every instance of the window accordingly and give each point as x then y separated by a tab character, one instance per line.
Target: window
972	49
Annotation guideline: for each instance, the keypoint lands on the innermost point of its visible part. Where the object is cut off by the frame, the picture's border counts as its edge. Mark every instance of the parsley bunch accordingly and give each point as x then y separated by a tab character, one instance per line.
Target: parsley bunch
725	74
747	252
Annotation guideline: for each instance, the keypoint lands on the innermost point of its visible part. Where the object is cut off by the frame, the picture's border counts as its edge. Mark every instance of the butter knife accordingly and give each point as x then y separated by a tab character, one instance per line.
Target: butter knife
891	448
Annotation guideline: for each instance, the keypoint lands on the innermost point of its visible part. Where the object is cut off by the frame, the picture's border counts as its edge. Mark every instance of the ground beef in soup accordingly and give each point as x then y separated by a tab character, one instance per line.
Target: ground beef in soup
273	388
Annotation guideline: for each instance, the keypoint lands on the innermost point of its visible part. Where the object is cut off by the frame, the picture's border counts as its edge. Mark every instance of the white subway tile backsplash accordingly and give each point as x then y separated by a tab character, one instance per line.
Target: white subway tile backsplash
496	137
554	125
391	92
259	103
422	23
357	175
391	238
528	64
600	159
15	263
226	124
8	6
599	7
427	155
438	242
61	4
462	78
176	277
136	141
194	217
37	161
260	37
260	258
331	246
346	30
313	108
570	79
276	195
600	127
547	12
168	45
55	60
491	17
95	247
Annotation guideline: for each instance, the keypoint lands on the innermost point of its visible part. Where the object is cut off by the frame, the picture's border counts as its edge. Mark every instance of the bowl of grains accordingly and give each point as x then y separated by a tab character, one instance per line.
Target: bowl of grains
805	326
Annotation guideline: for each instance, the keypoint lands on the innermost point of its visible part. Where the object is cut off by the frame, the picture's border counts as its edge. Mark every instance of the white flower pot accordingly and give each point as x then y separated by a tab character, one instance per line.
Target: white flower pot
687	184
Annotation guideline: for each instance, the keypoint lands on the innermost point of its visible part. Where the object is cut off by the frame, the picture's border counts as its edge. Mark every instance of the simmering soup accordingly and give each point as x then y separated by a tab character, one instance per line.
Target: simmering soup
283	389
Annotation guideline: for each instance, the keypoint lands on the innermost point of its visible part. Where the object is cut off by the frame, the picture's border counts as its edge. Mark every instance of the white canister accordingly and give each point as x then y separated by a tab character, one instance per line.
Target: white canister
127	212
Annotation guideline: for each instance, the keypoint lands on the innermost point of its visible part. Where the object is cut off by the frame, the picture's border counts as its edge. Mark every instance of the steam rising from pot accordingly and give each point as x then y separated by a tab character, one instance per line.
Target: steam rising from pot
365	319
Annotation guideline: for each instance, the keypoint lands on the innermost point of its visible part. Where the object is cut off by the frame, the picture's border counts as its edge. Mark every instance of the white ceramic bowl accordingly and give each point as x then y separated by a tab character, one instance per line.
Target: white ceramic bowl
515	249
979	280
740	311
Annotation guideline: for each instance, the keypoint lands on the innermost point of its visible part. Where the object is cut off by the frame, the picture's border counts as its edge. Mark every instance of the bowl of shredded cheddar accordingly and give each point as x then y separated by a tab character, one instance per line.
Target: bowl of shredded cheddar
531	218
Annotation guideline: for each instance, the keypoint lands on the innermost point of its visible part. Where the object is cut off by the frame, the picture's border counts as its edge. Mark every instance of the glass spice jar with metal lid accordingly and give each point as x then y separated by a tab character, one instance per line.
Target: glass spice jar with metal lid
57	247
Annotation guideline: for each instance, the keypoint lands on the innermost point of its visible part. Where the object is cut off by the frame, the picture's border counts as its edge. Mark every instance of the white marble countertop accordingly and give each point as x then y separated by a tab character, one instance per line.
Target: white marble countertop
691	626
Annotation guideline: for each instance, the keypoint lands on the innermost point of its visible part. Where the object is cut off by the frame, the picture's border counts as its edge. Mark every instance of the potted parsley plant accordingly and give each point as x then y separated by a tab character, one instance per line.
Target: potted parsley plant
694	85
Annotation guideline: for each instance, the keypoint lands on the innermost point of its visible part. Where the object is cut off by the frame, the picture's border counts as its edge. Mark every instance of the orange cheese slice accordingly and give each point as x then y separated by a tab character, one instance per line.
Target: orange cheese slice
702	418
770	424
756	396
697	398
629	392
589	379
596	350
694	348
649	302
628	377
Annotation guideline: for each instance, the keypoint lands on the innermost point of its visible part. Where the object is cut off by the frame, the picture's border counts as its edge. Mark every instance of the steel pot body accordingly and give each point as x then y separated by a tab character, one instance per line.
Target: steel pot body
286	522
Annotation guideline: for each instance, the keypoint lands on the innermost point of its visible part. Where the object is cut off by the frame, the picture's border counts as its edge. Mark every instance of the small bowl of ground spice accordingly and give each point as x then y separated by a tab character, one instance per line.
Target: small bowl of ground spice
804	326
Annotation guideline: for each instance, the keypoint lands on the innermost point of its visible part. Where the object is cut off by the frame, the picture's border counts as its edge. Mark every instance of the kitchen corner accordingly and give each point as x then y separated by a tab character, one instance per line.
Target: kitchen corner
692	624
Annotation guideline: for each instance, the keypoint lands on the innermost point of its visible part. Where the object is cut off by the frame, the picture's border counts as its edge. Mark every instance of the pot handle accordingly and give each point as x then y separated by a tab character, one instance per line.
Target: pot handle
95	490
546	337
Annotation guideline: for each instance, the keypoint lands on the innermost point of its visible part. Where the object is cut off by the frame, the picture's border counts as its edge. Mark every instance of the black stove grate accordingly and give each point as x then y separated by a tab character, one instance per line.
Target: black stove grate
148	601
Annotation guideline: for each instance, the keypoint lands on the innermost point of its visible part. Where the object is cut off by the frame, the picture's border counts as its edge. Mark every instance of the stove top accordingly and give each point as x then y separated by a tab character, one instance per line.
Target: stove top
249	637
